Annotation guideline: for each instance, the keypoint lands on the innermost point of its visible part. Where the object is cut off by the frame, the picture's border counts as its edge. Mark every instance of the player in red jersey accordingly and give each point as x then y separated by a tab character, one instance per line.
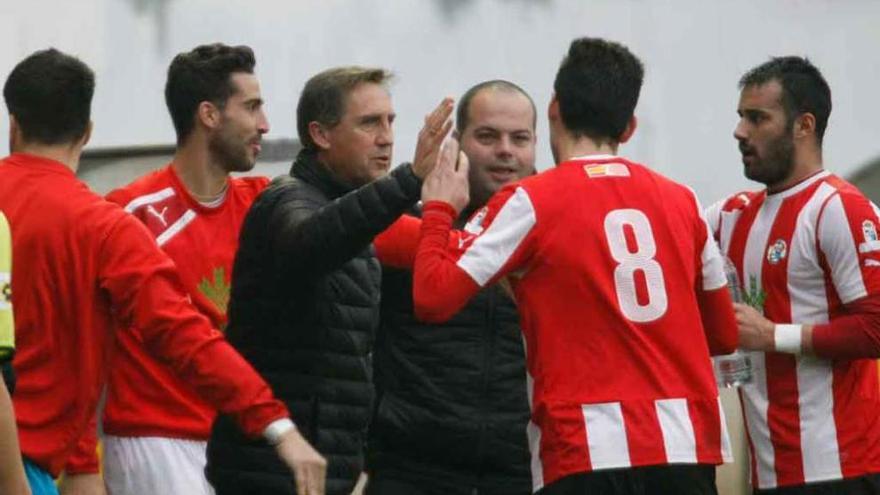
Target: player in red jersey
620	289
156	426
94	271
808	252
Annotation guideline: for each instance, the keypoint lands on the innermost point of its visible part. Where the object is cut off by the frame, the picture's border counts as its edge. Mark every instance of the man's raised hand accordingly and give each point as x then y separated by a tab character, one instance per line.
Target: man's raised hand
435	130
448	182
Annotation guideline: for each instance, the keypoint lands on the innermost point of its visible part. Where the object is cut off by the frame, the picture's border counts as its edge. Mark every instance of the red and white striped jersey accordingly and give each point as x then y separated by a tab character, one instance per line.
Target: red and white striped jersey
807	255
621	293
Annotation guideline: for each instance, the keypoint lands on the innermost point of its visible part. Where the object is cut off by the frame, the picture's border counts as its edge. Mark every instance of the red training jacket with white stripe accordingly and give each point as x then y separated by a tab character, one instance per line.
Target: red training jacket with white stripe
622	295
810	255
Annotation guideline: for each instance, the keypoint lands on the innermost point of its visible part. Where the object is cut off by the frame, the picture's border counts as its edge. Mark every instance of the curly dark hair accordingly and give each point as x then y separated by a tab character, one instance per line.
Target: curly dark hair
203	74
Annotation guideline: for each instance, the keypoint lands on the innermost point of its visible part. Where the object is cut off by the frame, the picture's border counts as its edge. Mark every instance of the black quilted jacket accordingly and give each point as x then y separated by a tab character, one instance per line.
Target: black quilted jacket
303	311
452	407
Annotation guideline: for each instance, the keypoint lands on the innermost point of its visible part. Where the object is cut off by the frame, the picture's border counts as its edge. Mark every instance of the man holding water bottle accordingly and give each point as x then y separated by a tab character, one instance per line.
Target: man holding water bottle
808	254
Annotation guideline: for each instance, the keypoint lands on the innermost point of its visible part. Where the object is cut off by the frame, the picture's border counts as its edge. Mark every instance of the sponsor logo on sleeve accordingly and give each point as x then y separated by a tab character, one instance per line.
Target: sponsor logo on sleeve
871	242
475	224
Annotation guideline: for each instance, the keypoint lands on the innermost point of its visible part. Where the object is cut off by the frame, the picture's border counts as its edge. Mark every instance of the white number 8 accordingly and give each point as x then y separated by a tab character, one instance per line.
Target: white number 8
628	263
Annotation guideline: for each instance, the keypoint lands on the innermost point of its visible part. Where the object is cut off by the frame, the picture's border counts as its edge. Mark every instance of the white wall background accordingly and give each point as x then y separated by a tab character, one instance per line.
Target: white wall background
694	51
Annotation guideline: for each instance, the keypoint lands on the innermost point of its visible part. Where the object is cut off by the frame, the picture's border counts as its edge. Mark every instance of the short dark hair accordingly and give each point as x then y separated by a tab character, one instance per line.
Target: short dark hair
323	97
462	113
50	95
804	89
203	74
597	87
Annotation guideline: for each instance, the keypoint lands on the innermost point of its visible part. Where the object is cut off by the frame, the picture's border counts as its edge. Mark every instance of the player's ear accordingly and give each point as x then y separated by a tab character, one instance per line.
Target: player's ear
629	130
553	109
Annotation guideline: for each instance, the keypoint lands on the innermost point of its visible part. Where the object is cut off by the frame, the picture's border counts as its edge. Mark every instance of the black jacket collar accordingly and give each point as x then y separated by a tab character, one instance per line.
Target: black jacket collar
307	168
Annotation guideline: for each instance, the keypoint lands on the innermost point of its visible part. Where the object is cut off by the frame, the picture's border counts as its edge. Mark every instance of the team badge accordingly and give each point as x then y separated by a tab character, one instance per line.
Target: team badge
777	251
475	224
869	230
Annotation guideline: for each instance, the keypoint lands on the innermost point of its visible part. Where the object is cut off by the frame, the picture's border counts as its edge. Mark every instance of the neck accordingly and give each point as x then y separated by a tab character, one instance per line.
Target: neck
806	163
66	154
202	176
571	147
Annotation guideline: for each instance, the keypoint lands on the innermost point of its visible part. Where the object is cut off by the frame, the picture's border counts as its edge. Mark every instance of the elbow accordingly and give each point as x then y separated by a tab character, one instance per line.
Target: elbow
727	344
430	309
428	314
724	349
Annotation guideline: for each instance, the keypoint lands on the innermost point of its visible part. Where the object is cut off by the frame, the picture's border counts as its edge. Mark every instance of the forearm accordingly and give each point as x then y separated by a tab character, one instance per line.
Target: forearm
853	335
12	478
719	321
84	460
396	247
221	376
440	287
147	294
317	241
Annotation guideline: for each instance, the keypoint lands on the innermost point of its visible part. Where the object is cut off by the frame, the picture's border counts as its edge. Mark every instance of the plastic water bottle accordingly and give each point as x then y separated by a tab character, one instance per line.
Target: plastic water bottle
734	369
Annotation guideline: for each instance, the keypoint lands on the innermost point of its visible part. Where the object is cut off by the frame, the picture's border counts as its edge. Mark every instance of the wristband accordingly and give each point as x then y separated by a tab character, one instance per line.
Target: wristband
277	429
787	338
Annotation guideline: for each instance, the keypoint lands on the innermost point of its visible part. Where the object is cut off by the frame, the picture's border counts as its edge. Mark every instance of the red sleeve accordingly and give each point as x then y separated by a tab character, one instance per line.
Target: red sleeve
719	320
440	288
853	335
147	294
847	237
713	295
446	276
84	459
396	247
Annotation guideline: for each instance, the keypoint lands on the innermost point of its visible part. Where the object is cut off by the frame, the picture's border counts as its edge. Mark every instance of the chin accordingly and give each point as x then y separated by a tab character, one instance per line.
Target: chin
243	167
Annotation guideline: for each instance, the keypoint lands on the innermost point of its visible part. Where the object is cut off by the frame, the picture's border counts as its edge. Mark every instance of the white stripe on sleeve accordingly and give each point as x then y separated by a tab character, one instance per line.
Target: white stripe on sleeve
494	247
710	257
149	199
836	241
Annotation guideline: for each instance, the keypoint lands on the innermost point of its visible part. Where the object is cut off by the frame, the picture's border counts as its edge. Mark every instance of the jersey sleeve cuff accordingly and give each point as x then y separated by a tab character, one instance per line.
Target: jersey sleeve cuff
439	207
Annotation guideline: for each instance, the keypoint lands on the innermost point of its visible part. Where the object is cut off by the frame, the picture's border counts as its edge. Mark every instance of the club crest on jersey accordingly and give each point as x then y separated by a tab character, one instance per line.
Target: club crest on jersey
869	230
475	224
777	251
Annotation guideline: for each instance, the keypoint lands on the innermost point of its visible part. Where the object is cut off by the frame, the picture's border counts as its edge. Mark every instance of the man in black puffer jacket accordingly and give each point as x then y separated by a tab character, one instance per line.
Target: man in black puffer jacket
452	408
305	287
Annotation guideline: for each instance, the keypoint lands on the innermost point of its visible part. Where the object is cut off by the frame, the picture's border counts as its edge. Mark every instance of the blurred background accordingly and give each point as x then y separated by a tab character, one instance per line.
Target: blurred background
694	52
